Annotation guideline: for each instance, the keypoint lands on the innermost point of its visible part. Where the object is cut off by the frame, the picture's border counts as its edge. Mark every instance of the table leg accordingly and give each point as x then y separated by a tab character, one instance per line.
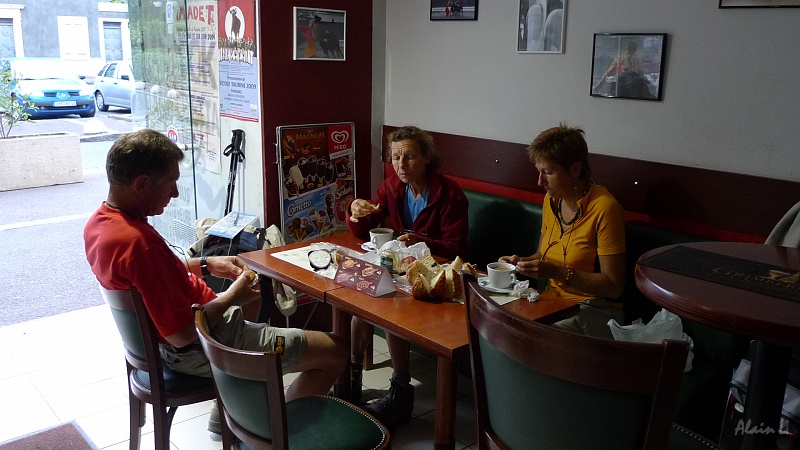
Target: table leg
445	405
769	371
341	327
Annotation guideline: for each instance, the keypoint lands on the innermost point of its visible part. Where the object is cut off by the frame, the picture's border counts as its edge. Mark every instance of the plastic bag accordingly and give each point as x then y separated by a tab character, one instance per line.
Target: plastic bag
663	325
401	255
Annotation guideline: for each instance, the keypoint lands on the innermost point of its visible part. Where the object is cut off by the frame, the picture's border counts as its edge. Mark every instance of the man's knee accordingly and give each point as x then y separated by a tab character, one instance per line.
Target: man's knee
328	348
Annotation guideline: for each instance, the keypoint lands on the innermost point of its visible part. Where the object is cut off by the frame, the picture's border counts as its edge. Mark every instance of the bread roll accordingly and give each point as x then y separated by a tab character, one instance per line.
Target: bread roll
439	286
431	281
421	289
457	264
458	287
449	274
406	263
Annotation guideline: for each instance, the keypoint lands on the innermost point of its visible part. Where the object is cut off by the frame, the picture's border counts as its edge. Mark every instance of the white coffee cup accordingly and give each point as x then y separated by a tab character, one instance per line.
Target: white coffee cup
501	275
380	236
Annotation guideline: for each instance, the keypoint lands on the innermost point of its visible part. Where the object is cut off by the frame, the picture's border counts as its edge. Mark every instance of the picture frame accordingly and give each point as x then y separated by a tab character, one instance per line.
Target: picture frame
542	26
628	65
759	4
454	10
319	34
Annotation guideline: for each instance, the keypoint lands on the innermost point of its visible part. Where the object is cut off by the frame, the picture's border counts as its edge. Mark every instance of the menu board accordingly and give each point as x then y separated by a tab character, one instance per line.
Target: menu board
316	167
371	279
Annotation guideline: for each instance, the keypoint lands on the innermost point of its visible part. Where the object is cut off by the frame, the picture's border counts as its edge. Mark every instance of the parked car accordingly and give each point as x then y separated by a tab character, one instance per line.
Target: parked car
50	87
114	86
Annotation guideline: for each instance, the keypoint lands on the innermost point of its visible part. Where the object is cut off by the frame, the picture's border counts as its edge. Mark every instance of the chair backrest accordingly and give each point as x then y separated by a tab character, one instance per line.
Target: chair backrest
250	387
138	332
539	384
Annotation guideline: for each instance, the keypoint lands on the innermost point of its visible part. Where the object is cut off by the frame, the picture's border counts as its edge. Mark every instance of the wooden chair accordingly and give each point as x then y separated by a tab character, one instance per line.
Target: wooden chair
150	381
539	386
252	404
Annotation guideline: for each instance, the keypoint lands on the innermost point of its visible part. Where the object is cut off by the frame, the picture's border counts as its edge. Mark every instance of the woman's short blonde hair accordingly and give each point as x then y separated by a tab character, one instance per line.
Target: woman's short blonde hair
562	145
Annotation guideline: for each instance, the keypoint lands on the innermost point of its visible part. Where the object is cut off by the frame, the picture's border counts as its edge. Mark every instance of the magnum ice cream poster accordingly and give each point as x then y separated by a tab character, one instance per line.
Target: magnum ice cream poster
317	170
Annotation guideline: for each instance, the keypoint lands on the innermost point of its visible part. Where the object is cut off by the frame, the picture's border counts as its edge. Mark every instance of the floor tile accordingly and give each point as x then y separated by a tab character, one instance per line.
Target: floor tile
26	417
81	376
110	427
86	400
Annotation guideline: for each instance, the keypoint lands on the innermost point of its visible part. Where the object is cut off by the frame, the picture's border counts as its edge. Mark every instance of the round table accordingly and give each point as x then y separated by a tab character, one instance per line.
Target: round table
774	323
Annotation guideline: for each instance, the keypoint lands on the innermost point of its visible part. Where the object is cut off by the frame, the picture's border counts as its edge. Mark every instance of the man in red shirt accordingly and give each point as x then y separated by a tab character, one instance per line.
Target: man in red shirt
125	251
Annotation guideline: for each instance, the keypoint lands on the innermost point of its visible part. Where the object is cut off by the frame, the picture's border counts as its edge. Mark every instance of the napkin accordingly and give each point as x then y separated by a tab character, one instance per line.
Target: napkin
522	290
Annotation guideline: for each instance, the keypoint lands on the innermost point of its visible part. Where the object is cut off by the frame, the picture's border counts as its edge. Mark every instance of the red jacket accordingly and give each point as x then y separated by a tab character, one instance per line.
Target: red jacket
443	224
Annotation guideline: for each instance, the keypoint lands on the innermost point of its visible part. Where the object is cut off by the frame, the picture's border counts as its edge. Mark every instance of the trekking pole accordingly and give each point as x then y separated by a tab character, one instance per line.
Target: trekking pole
234	150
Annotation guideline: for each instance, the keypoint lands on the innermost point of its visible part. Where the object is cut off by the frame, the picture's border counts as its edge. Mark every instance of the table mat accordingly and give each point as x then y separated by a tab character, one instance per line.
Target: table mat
766	279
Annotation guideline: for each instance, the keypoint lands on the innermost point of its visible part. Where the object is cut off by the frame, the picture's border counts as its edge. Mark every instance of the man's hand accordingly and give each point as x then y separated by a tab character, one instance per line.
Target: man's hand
243	290
229	267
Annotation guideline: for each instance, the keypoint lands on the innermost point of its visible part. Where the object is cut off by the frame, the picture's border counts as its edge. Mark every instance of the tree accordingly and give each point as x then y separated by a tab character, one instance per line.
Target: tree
12	105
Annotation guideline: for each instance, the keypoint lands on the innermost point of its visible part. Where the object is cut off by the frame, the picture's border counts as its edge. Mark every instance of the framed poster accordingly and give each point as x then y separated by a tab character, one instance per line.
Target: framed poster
316	166
319	34
628	65
759	3
454	9
541	26
238	60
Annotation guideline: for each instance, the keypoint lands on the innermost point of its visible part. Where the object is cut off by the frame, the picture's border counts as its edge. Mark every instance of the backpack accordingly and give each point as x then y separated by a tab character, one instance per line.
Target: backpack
248	240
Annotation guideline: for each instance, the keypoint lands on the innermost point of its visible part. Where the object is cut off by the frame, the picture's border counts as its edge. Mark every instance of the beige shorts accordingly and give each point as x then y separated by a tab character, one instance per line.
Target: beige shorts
593	317
232	330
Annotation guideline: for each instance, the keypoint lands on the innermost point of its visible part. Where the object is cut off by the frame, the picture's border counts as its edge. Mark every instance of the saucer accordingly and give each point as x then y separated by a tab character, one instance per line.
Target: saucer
484	282
368	246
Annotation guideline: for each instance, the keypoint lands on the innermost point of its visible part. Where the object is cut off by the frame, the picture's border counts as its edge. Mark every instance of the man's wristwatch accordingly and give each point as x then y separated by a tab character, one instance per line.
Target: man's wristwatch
204	266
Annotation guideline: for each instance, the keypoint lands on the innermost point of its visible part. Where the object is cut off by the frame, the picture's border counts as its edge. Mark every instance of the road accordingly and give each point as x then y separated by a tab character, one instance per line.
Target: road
43	270
114	121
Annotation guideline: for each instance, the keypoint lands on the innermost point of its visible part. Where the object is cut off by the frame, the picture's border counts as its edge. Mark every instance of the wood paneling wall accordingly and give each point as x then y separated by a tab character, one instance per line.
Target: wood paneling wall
309	91
713	204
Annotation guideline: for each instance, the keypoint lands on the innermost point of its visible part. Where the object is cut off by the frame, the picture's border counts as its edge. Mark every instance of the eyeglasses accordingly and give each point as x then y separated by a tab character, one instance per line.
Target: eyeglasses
551	243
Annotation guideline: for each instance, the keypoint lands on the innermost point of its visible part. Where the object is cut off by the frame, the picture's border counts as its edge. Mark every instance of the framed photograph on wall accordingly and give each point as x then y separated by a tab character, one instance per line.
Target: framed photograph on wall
759	3
454	9
541	26
628	65
319	34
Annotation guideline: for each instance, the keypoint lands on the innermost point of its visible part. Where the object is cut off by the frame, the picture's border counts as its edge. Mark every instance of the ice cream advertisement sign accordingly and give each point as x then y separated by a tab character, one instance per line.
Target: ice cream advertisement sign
316	167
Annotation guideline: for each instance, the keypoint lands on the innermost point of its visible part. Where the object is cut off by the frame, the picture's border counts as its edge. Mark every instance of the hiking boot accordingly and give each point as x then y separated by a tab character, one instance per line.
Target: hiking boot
214	424
395	407
356	381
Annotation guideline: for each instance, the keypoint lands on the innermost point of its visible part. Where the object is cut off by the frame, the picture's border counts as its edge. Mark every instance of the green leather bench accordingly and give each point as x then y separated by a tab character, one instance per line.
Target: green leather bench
500	226
503	226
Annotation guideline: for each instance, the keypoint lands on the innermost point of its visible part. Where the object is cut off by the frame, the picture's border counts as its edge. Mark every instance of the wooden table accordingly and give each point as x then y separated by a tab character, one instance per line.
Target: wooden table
440	328
773	322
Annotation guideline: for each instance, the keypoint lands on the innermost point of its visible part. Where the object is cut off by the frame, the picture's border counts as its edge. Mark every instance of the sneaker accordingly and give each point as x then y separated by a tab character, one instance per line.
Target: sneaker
395	407
214	424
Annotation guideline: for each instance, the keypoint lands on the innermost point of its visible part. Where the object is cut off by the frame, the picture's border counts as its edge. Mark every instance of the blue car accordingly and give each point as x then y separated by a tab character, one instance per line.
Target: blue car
50	87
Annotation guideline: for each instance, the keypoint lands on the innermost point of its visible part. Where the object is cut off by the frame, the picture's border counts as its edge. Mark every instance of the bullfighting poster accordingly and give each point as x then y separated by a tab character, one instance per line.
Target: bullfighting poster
238	60
317	172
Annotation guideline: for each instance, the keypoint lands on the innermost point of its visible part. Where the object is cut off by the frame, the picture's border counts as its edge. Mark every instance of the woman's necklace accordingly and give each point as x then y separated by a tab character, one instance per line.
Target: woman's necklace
577	213
561	217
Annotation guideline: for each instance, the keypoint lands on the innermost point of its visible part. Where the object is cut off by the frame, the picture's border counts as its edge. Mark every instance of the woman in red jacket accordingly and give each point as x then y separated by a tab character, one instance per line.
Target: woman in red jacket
421	205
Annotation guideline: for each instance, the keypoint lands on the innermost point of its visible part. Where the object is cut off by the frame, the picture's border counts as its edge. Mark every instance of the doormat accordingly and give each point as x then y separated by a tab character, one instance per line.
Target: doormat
67	436
774	281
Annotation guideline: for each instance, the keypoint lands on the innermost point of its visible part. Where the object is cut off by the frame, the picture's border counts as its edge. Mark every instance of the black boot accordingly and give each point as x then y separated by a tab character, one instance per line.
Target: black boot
356	378
395	407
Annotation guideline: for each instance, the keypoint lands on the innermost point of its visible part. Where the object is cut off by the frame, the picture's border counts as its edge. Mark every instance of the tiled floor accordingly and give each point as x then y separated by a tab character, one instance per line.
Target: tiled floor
70	367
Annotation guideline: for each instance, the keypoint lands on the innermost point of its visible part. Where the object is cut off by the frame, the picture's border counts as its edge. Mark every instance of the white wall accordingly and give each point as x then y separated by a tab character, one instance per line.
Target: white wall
731	98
